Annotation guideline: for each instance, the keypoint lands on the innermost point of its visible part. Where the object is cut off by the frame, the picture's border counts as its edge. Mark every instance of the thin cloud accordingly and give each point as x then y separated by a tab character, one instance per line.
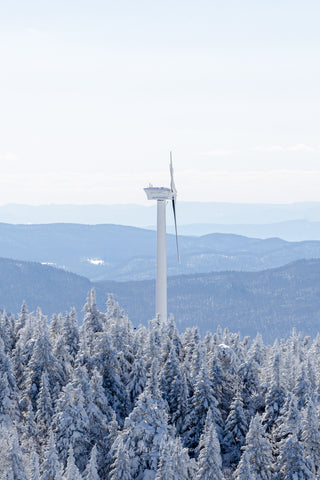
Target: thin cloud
8	157
300	147
255	186
218	152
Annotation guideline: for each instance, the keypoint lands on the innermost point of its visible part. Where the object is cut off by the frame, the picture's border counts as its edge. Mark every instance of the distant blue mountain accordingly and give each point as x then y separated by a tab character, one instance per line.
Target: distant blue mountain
293	230
271	302
144	215
122	253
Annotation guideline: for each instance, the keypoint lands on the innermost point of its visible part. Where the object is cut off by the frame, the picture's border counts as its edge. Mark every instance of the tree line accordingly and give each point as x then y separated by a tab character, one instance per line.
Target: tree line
102	400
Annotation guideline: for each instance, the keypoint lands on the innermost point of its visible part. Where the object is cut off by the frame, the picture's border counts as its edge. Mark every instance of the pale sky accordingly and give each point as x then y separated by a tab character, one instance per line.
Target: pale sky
94	94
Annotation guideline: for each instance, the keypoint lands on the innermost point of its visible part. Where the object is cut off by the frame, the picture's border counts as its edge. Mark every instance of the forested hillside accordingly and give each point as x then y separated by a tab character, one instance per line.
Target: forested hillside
122	253
271	302
107	401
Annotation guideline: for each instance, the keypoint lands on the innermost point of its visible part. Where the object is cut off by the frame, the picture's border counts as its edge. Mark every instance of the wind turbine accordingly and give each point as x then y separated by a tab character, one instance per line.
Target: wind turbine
162	195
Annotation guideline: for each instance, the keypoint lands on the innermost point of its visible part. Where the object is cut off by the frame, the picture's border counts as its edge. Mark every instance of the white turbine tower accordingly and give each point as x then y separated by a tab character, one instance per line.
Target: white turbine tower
162	195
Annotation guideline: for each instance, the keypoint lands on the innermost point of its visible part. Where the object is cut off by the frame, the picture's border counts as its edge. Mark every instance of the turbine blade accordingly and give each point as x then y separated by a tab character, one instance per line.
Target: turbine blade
175	224
173	187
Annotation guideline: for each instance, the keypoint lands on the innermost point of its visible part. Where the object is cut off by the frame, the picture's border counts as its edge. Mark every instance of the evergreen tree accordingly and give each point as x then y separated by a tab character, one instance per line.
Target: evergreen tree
22	318
144	430
302	389
72	471
202	400
259	450
236	428
275	397
51	467
44	411
249	376
122	467
63	361
30	433
93	319
91	471
42	360
71	425
174	462
34	469
166	469
70	334
293	462
310	434
243	470
289	421
99	414
181	401
9	409
16	461
7	331
209	461
171	381
55	328
106	362
18	366
137	380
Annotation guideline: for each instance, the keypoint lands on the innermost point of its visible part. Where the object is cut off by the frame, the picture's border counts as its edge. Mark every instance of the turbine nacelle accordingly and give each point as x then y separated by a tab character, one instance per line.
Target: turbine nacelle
158	193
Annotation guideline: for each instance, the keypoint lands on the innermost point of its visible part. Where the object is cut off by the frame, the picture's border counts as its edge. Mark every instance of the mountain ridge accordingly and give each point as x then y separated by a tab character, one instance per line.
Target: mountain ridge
271	301
123	253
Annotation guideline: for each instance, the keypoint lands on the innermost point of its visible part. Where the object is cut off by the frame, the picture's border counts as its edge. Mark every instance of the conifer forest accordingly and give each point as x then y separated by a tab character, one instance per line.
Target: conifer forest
93	398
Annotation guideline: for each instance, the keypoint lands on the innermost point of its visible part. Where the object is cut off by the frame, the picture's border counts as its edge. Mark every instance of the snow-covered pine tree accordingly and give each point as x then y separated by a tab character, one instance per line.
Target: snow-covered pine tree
201	401
91	471
34	468
166	469
55	328
144	430
243	470
9	409
122	467
22	319
259	450
209	461
42	360
16	468
105	360
293	462
289	420
93	319
72	471
44	412
275	396
310	434
137	379
171	380
71	425
51	467
249	379
7	331
100	416
70	334
236	428
174	462
63	361
302	388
